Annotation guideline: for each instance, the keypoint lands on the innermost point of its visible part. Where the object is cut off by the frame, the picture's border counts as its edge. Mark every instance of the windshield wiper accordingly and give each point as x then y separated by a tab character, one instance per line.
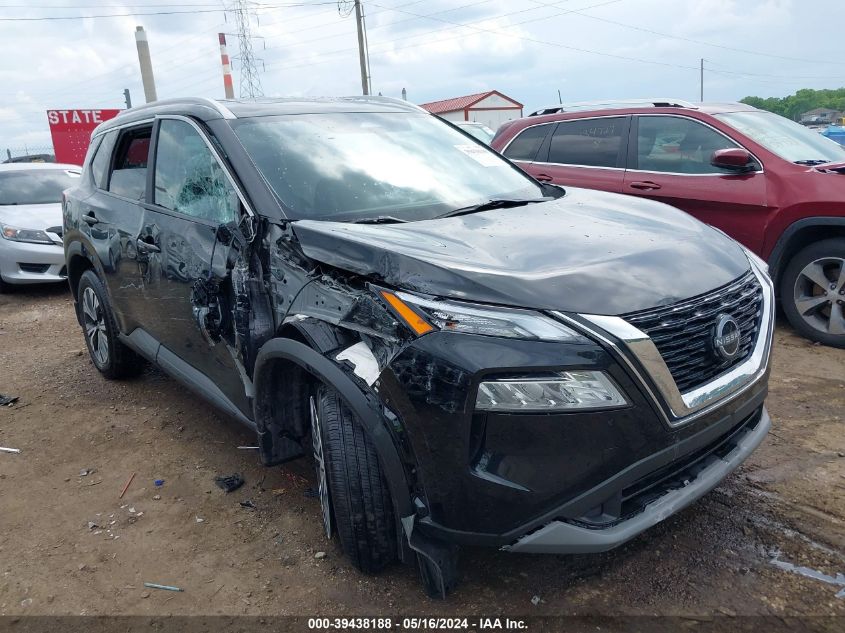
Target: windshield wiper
496	203
381	219
812	161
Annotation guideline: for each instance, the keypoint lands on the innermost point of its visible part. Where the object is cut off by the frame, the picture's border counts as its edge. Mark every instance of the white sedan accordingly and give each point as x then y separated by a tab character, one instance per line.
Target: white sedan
31	250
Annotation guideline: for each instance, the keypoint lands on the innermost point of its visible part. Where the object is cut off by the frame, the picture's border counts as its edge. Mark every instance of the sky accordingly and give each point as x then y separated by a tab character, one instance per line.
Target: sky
435	49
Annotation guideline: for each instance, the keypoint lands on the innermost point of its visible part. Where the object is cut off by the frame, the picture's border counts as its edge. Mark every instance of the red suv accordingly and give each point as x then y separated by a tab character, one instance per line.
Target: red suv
768	182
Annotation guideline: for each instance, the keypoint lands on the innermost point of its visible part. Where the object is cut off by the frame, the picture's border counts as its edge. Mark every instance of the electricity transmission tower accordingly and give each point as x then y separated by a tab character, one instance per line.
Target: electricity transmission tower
250	80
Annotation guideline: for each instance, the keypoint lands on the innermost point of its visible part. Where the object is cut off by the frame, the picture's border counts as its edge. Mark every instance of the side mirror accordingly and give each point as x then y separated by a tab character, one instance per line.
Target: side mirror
735	159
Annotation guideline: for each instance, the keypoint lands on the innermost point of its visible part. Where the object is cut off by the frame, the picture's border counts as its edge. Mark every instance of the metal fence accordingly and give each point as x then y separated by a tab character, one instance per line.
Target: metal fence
34	152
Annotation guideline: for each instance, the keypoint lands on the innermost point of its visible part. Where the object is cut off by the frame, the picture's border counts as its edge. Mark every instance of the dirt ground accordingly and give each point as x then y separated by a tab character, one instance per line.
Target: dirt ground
68	545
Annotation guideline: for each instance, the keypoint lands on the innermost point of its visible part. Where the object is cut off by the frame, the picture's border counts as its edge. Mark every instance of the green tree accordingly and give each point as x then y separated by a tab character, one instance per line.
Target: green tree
793	106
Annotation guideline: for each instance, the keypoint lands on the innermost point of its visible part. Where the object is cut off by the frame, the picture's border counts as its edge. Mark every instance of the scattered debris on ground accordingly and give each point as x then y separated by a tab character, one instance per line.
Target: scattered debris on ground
229	483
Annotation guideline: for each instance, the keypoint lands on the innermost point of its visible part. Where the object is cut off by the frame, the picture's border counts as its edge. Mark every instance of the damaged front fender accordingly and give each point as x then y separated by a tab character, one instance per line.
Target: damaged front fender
366	407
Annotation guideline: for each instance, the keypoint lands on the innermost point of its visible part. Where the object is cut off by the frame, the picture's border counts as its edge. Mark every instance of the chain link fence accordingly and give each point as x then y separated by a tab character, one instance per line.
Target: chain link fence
28	153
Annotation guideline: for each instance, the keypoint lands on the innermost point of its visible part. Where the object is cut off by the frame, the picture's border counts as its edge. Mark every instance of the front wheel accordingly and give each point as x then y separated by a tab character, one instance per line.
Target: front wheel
812	292
354	497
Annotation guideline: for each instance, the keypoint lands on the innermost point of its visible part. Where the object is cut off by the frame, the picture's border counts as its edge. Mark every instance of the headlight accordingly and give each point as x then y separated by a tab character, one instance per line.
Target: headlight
33	236
427	315
563	391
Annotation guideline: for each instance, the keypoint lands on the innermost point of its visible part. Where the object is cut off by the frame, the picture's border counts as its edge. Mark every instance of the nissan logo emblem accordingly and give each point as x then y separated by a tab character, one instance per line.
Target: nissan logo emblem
727	337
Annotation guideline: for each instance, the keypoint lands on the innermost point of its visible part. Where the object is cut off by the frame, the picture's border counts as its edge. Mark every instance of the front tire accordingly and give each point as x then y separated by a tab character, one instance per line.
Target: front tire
111	357
812	292
357	504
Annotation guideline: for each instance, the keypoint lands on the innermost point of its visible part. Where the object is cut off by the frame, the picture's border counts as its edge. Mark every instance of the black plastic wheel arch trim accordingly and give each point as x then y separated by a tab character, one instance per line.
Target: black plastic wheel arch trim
372	419
775	263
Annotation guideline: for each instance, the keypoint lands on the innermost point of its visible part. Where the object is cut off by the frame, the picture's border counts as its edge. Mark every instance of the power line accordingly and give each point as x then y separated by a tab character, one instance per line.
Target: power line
426	34
691	40
584	50
137	14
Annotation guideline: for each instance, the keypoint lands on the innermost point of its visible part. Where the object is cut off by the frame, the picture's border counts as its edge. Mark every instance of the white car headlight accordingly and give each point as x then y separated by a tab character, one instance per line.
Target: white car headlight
31	236
475	319
563	391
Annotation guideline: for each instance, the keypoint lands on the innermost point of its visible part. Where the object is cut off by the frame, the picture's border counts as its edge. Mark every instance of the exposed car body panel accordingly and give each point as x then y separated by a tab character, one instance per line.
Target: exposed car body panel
587	252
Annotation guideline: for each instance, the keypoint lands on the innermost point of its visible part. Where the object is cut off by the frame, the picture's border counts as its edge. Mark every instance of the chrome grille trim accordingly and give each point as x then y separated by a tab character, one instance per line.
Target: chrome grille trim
683	331
635	348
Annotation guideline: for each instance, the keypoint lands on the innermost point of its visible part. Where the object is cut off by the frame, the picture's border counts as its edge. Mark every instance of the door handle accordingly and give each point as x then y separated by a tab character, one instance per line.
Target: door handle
543	178
147	246
90	219
646	185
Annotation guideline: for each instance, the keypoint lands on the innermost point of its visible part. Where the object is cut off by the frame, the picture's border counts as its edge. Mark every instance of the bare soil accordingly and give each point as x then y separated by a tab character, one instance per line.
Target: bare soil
69	545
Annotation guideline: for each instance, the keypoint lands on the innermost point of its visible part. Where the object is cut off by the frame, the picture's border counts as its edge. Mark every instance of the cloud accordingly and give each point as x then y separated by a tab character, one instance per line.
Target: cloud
312	50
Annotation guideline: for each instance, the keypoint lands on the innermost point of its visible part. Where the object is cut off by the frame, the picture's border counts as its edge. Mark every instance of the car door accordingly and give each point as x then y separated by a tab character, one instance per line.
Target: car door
111	218
585	153
669	161
191	196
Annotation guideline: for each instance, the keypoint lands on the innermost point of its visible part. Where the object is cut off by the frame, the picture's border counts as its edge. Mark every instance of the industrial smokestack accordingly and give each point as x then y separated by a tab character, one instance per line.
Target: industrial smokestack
228	87
146	64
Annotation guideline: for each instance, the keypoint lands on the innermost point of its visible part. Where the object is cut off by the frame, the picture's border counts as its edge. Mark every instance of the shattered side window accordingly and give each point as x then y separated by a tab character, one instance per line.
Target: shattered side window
188	178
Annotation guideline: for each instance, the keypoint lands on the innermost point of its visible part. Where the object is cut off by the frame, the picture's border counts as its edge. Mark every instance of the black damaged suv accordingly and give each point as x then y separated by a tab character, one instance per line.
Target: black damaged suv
471	357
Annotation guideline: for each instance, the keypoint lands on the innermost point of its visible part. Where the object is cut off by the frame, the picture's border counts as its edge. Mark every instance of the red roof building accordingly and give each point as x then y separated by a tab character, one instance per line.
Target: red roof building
492	108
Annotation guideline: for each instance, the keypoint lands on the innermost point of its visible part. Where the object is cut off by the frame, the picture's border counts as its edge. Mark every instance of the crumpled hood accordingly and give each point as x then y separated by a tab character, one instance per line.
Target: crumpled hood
32	216
589	252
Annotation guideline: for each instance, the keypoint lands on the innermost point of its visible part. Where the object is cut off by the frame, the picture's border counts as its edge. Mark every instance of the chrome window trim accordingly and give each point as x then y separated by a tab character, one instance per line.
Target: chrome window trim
539	162
586	118
118	128
718	131
520	133
214	152
762	169
678	408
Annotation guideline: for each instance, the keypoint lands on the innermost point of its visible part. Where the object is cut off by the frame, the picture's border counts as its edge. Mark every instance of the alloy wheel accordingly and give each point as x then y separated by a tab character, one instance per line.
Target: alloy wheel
95	326
820	295
320	464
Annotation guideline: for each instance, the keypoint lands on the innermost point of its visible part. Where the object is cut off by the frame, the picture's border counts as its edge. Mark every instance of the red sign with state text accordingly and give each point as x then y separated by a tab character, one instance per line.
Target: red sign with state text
71	132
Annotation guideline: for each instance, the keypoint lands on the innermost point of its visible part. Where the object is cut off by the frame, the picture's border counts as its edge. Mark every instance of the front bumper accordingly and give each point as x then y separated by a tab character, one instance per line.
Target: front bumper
497	478
23	263
563	537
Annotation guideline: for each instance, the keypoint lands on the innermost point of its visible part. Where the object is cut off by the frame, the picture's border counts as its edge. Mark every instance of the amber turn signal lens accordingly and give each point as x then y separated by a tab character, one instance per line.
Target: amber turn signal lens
413	320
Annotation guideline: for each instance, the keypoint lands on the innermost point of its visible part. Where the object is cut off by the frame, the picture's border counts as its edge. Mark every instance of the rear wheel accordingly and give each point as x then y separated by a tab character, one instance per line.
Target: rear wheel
813	292
354	497
111	357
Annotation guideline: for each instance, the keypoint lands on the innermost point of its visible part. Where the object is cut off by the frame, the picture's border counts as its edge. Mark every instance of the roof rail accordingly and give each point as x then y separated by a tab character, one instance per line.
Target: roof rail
383	99
612	105
218	107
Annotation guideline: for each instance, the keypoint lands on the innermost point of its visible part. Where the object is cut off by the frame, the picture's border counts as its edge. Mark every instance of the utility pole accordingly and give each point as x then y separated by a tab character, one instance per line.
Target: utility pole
146	64
228	87
701	79
250	83
362	55
127	97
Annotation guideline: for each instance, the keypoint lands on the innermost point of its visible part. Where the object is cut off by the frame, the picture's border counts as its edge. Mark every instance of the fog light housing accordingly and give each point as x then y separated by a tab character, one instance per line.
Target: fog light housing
561	391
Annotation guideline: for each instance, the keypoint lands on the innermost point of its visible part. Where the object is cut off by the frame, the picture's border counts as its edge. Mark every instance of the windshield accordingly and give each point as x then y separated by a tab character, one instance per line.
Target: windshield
789	140
481	132
362	165
35	186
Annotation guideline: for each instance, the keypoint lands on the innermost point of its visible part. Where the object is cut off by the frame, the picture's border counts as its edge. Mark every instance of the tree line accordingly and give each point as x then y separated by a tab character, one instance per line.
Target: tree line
793	106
